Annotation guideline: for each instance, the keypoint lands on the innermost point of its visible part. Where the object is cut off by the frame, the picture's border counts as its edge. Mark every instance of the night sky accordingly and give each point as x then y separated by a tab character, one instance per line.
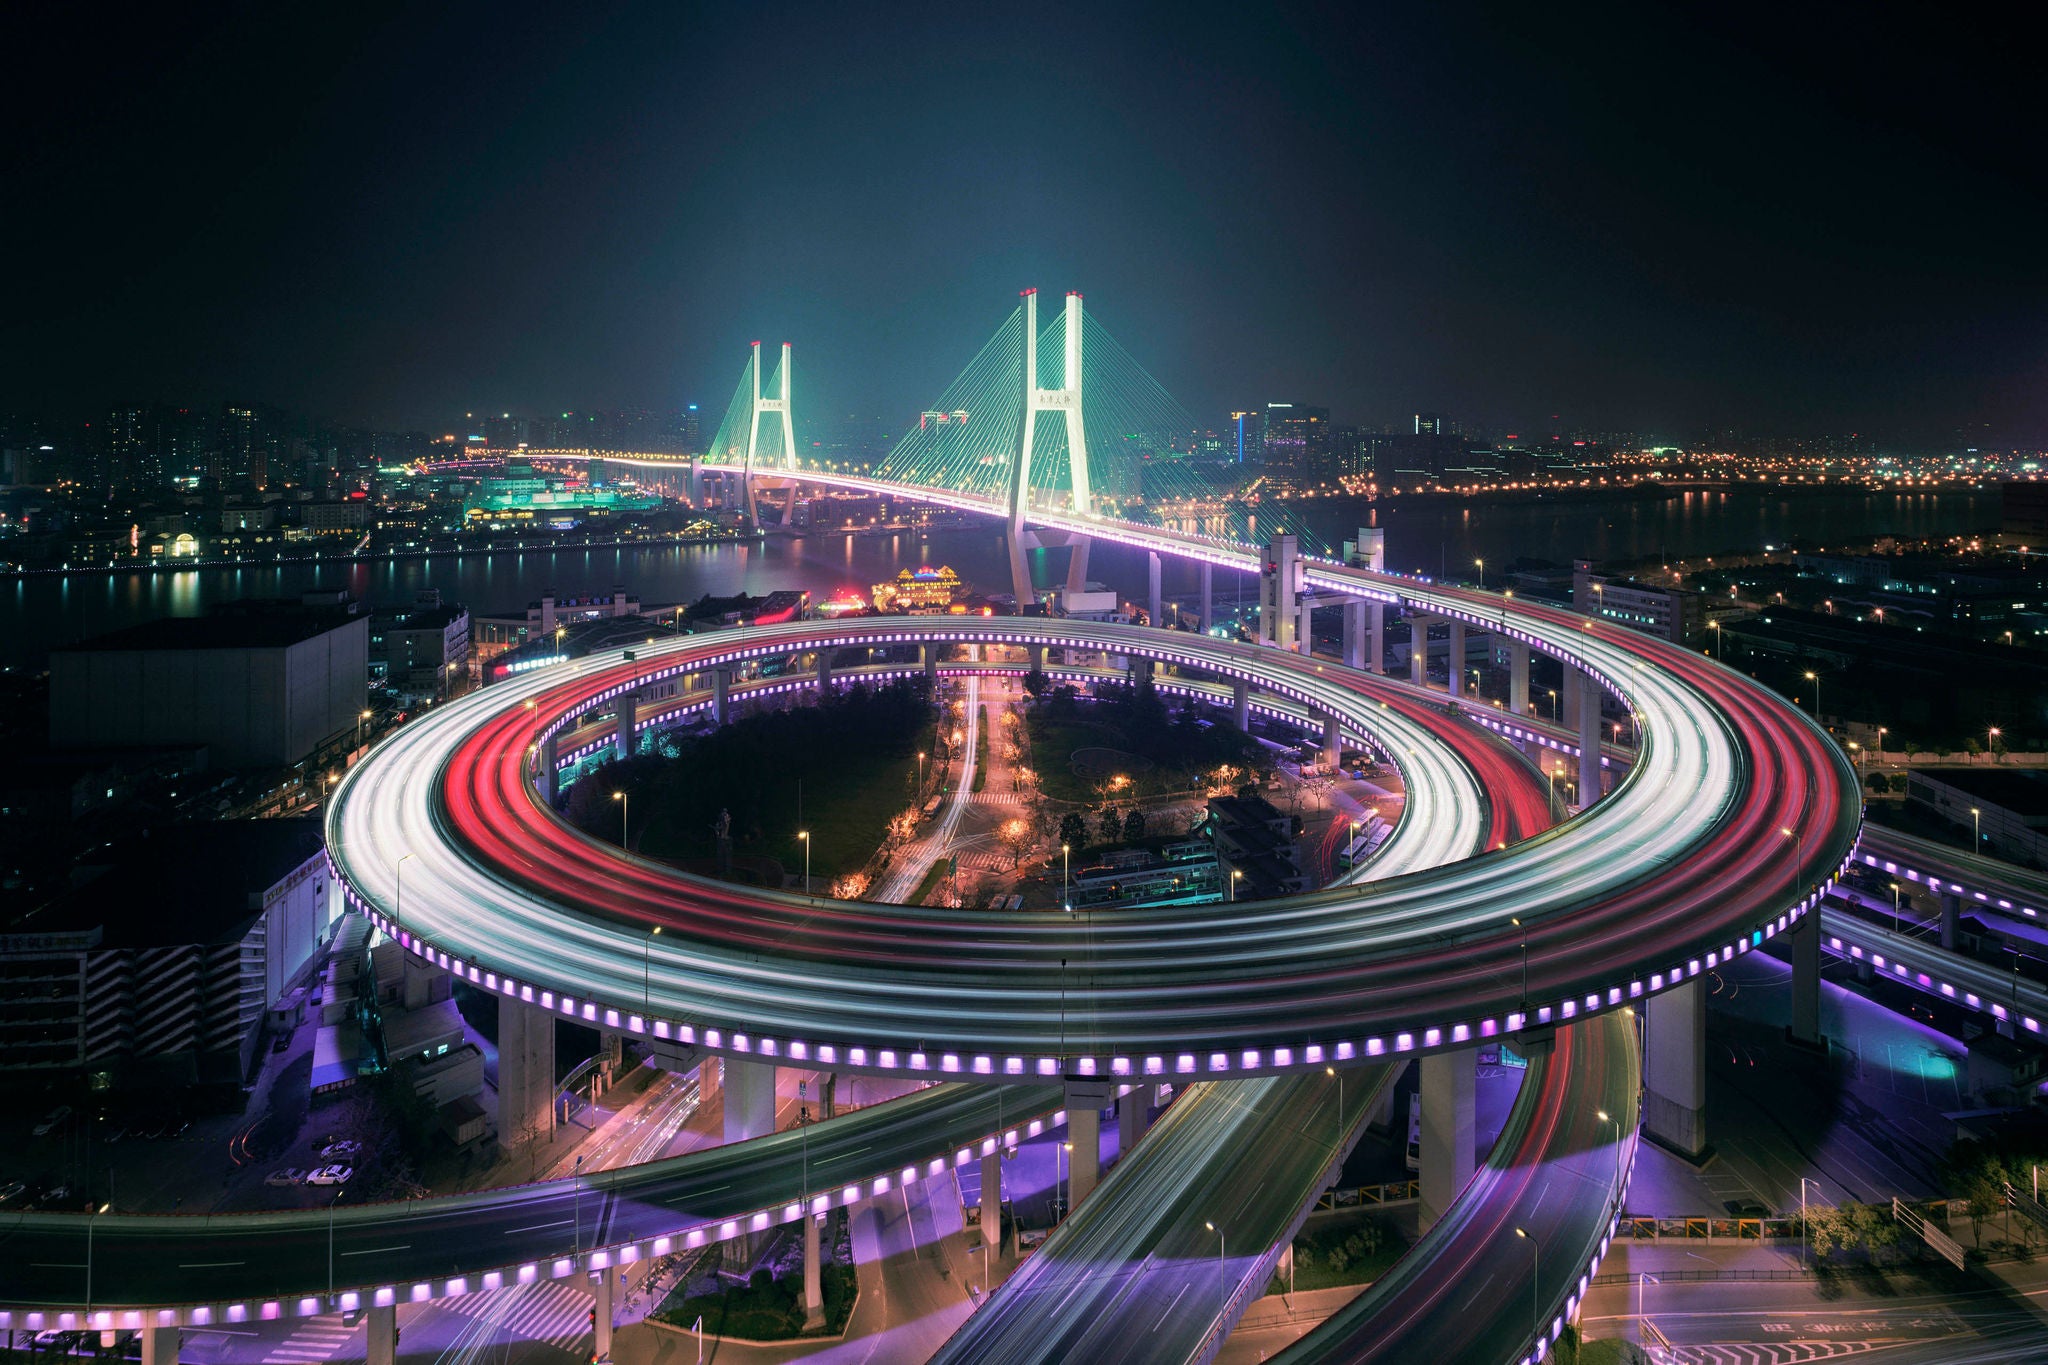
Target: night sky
1781	219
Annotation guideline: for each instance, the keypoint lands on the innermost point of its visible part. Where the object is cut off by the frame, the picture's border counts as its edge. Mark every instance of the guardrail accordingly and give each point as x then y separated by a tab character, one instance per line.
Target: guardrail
1369	1196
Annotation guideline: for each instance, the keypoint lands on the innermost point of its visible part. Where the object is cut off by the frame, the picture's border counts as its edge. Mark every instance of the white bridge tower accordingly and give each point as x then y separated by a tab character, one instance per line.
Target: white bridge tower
762	407
1066	401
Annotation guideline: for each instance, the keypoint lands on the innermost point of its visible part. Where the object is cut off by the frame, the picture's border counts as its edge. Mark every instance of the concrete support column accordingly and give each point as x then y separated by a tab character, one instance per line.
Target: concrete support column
1137	670
1418	649
1454	663
159	1345
749	1099
1518	678
824	670
696	486
1085	1100
1077	565
383	1325
814	1276
1589	739
1154	602
1241	705
931	665
1333	743
1570	697
1020	571
626	731
605	1289
1208	596
1805	935
1448	1130
1380	1117
550	765
721	695
526	1072
1036	653
1376	650
1133	1115
1354	635
1675	1070
992	1198
1951	912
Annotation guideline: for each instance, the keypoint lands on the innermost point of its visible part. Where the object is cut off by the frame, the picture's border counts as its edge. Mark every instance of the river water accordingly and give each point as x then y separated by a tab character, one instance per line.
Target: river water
1424	535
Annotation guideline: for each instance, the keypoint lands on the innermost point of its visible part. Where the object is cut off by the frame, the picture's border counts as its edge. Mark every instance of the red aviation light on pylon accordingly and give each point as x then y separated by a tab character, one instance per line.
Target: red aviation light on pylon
1022	292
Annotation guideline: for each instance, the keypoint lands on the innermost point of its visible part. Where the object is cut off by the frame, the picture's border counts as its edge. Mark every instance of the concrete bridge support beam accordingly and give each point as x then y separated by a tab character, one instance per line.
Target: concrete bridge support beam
1077	565
1036	654
1354	635
1518	678
749	1099
1805	948
814	1280
931	665
1333	743
1675	1070
1208	596
992	1198
626	731
1589	738
1376	649
1454	662
1418	649
1241	705
383	1332
605	1289
1133	1117
550	766
1448	1130
721	695
1020	570
1154	602
1085	1100
159	1345
526	1072
1951	912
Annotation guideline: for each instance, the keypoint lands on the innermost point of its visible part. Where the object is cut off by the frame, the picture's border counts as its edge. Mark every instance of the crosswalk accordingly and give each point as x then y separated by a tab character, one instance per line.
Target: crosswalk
1759	1353
986	798
316	1339
553	1312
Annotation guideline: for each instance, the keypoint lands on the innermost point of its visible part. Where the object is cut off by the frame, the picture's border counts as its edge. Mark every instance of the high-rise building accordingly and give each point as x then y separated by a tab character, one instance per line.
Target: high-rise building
1434	424
1296	442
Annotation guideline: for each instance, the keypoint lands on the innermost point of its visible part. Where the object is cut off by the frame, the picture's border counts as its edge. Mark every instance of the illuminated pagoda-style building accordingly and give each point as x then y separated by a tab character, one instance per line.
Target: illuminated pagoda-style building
927	592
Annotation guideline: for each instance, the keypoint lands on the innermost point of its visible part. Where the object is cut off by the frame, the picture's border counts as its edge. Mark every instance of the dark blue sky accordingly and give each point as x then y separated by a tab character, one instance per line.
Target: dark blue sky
1814	222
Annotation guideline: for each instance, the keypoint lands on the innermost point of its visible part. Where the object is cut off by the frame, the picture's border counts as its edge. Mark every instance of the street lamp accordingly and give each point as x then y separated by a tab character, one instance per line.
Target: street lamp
398	901
1605	1117
1517	922
625	814
1895	907
1556	714
1332	1071
805	835
1805	1238
1222	1278
1976	829
1066	879
1991	742
1234	876
1715	626
1814	678
920	770
1535	1286
1482	573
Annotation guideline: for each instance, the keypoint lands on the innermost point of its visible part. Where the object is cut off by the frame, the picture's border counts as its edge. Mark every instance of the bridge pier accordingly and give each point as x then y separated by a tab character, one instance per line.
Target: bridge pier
1333	743
814	1280
1280	614
550	768
1454	663
749	1099
1675	1071
383	1331
1036	655
721	695
1951	912
1418	649
1589	737
1354	635
1133	1117
1154	603
1020	570
1208	596
1241	705
1085	1099
992	1198
1449	1128
1805	949
1077	564
1376	649
1518	678
605	1290
822	663
931	666
626	724
159	1345
526	1072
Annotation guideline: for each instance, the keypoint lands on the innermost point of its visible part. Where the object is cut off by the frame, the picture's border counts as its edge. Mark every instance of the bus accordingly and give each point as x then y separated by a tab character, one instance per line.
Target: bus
1372	832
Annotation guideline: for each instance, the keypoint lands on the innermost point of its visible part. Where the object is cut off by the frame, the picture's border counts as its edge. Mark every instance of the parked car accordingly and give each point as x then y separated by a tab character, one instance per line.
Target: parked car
53	1120
290	1175
331	1175
281	1043
340	1147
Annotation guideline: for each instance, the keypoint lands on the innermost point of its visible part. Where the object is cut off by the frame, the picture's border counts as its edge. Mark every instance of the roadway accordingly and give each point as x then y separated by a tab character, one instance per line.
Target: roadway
526	1232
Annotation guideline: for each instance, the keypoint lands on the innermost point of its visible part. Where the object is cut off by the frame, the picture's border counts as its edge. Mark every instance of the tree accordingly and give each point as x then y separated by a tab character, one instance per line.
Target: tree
1016	837
1073	829
1111	824
1035	683
1134	826
1880	784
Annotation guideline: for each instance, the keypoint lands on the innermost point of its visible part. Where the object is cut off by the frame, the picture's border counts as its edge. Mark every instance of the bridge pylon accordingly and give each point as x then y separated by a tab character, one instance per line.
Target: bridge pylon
1066	401
775	404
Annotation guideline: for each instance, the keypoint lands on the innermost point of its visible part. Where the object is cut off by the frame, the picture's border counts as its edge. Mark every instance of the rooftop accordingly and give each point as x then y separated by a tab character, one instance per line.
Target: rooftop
196	883
2024	794
251	625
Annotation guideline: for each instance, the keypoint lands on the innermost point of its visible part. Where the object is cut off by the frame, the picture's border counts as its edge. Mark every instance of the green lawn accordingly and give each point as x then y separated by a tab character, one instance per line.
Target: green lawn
767	1310
981	753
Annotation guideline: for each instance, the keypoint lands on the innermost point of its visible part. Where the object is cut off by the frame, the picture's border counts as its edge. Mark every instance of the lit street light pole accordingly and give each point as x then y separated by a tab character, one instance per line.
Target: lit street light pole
1976	829
398	900
1066	880
647	973
805	835
1805	1238
1222	1276
625	816
1535	1286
